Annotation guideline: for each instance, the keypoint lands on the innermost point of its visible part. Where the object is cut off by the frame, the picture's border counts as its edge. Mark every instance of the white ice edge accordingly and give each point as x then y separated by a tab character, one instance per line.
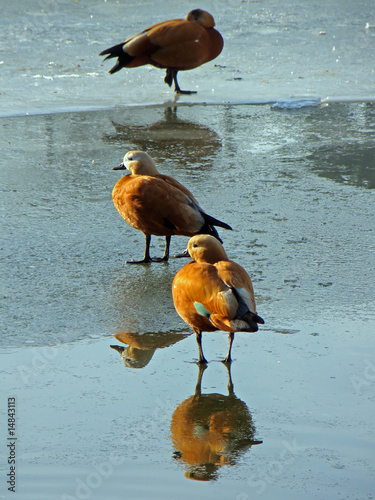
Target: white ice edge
291	103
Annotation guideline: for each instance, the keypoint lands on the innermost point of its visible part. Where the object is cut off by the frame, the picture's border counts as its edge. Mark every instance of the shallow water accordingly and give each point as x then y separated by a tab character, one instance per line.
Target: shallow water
109	401
299	204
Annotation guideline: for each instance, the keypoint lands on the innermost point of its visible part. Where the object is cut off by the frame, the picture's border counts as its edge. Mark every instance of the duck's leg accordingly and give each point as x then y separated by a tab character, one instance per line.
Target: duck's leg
166	251
228	359
168	79
167	245
146	259
177	87
171	75
202	359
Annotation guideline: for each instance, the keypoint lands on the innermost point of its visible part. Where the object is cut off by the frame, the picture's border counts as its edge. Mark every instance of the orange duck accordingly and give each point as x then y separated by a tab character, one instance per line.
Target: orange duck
158	205
214	293
176	45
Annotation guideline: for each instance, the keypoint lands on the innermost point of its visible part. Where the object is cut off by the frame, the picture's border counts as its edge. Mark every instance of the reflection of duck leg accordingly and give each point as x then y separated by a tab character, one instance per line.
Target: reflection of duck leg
170	113
230	382
198	387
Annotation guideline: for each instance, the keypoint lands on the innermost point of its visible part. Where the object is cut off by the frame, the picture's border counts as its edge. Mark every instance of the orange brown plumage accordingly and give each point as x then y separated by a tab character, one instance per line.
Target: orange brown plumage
214	293
158	204
175	45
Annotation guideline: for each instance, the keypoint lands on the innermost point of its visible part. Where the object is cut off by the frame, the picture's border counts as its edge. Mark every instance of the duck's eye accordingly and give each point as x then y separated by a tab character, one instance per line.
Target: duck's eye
195	245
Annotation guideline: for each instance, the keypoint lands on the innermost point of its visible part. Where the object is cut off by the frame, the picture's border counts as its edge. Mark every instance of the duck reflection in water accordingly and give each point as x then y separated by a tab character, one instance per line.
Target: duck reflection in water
141	347
211	430
170	138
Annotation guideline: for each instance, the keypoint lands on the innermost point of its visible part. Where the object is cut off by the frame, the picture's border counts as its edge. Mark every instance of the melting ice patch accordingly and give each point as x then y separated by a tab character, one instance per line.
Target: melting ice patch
297	103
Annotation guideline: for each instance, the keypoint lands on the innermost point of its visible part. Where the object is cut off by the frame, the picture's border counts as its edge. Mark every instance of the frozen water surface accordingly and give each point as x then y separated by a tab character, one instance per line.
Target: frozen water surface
273	50
109	401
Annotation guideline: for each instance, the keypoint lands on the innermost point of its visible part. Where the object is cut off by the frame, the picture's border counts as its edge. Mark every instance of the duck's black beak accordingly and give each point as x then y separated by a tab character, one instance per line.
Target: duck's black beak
120	167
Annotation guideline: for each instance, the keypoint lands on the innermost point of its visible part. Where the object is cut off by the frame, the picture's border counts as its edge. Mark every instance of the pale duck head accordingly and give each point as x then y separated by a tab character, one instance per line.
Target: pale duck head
206	248
138	163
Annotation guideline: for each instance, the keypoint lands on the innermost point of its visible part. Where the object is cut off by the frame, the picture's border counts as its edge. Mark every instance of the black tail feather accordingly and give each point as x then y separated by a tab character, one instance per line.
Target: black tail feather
258	319
211	230
117	51
247	323
245	319
211	221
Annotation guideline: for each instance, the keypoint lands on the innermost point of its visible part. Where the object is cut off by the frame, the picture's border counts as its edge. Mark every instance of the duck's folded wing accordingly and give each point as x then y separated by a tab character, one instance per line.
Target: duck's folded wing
164	34
235	276
209	220
173	182
175	32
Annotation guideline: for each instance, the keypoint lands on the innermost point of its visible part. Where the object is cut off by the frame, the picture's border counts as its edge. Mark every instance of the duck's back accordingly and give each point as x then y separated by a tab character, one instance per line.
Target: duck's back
178	44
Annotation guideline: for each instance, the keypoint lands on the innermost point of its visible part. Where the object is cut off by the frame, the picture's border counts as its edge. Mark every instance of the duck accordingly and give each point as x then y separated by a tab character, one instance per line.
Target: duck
158	205
214	293
175	45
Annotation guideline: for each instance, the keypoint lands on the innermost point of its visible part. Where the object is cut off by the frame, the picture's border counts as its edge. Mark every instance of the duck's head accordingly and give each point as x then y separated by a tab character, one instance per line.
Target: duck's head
138	163
206	248
201	17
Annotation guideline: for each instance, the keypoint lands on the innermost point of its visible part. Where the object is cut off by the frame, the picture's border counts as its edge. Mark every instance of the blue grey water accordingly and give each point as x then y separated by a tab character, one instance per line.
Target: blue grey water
279	142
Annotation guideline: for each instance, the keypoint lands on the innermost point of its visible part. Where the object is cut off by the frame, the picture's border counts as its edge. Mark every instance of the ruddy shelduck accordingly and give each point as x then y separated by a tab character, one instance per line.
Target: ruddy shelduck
214	293
157	204
176	45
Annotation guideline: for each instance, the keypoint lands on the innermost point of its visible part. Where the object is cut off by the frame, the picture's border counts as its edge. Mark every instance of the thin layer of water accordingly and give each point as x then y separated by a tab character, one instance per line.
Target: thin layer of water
98	359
